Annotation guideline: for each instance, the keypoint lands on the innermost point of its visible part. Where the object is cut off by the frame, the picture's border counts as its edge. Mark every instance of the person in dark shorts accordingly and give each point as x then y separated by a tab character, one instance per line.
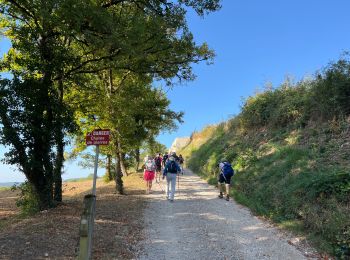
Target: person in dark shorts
158	161
181	161
224	179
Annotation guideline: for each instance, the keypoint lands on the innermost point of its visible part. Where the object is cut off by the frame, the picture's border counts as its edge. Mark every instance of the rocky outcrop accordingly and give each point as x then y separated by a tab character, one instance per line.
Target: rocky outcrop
179	143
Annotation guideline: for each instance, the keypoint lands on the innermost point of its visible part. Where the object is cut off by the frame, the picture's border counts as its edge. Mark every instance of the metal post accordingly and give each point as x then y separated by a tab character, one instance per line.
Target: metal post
88	217
95	170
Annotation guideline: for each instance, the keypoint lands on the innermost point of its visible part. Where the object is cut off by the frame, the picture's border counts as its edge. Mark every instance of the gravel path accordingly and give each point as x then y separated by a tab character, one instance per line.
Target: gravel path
198	225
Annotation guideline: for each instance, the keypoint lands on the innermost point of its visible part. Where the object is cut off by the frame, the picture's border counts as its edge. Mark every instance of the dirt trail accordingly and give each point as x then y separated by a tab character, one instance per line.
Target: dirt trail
198	225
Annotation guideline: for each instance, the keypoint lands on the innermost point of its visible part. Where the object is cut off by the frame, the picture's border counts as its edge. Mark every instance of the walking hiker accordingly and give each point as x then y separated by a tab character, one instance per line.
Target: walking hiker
173	154
149	172
171	171
181	161
226	173
165	158
158	161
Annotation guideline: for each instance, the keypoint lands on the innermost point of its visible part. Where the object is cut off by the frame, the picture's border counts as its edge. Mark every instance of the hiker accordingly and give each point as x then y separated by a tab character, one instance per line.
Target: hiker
149	172
165	158
173	154
225	175
171	171
158	161
181	161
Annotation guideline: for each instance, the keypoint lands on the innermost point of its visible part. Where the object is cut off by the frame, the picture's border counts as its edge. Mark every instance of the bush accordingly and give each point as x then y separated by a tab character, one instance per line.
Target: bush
331	91
323	98
28	201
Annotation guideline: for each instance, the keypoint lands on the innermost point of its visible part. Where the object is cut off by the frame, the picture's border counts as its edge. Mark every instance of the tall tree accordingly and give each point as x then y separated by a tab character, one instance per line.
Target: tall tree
132	109
57	43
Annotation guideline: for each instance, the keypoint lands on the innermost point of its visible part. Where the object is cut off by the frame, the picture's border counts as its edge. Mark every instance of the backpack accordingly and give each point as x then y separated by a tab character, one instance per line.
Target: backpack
165	157
172	167
158	161
227	170
181	160
149	166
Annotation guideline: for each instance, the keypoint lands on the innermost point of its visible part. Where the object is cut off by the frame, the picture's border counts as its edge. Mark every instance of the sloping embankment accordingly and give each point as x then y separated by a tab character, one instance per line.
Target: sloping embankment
298	178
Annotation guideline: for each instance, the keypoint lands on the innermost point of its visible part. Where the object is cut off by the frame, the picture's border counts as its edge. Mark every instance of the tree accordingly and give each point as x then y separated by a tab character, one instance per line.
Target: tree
132	109
56	44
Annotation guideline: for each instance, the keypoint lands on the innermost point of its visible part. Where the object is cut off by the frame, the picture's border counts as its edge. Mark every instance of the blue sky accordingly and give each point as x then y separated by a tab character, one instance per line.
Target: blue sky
256	42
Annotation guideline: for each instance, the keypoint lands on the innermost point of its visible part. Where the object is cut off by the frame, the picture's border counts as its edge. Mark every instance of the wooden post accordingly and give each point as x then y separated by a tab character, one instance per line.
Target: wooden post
86	227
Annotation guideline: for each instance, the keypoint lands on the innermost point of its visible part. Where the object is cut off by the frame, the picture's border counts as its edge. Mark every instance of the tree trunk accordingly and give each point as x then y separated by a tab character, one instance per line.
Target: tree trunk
44	192
122	164
57	175
42	168
42	187
108	168
118	176
137	157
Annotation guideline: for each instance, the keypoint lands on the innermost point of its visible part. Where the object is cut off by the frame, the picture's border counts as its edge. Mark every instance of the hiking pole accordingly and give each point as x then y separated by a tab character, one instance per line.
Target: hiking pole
160	186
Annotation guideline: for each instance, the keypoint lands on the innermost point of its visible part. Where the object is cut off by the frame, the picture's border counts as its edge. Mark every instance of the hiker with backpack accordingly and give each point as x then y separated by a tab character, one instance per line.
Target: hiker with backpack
171	171
181	161
158	161
224	180
149	172
165	158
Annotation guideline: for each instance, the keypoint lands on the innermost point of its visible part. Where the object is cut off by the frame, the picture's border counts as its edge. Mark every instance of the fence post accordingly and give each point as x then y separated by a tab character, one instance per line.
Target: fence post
86	227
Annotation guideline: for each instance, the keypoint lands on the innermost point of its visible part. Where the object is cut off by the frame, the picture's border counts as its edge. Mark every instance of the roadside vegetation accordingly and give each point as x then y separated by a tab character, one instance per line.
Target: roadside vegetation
290	147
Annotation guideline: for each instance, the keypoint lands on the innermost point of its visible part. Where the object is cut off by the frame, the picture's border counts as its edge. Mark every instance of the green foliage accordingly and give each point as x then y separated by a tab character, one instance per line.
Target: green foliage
62	48
27	201
335	183
325	97
105	178
289	147
331	91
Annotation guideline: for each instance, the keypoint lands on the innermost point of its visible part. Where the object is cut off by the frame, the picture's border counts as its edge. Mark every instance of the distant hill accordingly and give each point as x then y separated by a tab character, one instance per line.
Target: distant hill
8	184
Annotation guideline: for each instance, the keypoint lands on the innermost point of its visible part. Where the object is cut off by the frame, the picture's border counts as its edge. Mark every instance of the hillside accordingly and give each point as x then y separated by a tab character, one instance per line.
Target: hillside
290	147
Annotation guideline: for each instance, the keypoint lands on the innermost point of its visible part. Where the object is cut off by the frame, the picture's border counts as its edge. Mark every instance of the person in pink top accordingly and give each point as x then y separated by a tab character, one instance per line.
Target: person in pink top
149	172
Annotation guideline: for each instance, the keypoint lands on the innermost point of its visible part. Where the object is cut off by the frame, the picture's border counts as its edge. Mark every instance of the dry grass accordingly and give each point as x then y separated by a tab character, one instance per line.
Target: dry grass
53	234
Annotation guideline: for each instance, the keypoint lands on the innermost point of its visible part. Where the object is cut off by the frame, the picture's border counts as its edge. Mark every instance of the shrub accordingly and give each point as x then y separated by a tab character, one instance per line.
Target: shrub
28	200
331	91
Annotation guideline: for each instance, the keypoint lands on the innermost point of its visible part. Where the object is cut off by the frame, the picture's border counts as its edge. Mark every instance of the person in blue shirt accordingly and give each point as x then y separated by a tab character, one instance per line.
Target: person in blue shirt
171	170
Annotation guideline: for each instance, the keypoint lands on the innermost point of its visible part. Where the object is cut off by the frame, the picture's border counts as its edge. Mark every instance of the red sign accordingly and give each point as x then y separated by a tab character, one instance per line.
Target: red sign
98	137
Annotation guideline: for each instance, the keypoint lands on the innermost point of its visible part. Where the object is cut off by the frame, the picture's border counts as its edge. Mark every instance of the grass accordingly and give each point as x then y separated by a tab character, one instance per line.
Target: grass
297	179
90	177
5	188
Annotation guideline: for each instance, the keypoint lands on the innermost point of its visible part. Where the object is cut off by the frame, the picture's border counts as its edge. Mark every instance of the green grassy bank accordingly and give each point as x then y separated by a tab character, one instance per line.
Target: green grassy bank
290	148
